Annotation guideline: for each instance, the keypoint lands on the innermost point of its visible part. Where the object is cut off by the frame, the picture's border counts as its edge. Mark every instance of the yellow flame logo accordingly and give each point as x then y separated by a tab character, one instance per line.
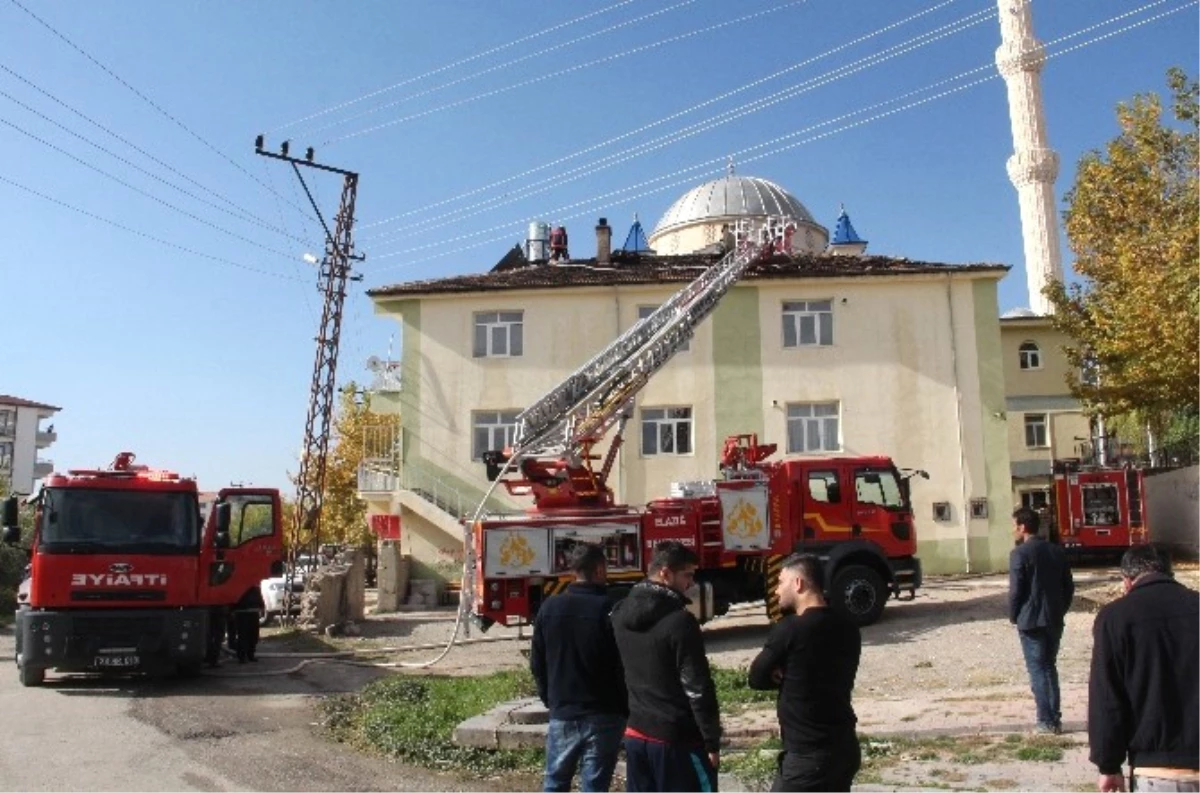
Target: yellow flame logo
744	521
515	552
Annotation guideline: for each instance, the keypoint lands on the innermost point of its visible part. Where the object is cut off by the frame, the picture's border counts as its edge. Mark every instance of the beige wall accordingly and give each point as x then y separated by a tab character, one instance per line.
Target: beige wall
1050	379
809	237
904	366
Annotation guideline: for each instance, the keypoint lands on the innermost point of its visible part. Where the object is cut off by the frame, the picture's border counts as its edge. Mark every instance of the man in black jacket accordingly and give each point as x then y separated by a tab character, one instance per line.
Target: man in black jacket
811	656
579	678
1144	692
1040	589
673	738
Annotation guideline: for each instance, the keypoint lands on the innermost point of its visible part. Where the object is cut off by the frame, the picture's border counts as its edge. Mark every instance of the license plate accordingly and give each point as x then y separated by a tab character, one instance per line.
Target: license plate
116	661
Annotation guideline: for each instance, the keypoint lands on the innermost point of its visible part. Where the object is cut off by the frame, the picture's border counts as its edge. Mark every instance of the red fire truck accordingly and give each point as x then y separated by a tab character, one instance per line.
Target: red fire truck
854	512
126	575
1097	509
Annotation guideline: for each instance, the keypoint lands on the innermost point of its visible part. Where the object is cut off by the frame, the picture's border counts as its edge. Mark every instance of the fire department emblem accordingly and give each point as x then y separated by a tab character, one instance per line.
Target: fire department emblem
744	521
515	552
120	567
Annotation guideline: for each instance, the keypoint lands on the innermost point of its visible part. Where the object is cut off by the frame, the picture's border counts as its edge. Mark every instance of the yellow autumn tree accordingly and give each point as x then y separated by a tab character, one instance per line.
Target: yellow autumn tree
343	513
1131	219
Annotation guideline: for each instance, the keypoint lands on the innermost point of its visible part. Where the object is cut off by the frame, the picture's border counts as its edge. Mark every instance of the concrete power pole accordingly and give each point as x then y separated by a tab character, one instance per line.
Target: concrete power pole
1033	166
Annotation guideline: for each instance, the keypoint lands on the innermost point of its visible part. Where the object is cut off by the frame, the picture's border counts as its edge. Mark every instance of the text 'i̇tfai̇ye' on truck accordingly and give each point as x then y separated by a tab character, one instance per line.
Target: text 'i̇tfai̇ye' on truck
127	575
853	512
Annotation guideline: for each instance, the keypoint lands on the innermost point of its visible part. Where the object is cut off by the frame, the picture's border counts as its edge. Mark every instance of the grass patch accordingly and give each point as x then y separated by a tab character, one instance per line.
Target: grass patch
754	767
880	754
734	692
412	719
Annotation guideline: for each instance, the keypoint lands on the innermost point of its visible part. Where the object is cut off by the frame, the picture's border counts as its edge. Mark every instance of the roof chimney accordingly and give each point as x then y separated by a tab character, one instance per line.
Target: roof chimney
603	242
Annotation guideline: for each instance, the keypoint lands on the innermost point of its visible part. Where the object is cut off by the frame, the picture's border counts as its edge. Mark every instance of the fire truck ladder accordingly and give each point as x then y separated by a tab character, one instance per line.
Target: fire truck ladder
582	408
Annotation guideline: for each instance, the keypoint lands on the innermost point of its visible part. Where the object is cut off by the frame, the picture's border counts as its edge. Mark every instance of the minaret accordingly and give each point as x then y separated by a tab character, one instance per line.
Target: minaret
1033	166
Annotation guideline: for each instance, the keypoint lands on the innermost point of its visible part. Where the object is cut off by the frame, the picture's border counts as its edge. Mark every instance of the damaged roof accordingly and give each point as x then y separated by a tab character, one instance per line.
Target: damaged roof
642	269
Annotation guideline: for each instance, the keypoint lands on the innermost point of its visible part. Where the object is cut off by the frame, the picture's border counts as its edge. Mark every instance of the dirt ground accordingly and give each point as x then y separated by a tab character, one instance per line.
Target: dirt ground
943	668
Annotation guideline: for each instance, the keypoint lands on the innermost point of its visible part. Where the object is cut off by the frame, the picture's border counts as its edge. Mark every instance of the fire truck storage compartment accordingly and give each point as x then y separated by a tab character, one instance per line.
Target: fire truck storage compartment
745	523
619	541
516	552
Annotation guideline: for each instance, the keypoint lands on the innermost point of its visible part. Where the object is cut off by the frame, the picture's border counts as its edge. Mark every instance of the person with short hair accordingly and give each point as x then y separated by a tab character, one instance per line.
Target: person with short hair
1040	590
1144	690
673	739
811	657
579	677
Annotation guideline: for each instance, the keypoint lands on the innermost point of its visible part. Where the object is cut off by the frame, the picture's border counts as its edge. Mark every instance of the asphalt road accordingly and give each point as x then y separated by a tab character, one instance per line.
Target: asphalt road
240	728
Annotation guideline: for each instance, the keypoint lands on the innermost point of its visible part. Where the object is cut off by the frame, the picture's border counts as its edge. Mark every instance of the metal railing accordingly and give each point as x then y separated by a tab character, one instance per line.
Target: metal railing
383	476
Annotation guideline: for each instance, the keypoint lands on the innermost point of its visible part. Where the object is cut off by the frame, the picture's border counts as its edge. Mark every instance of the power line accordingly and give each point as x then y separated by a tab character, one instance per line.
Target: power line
696	128
665	119
139	190
128	142
295	267
143	234
142	170
144	98
561	72
540	53
455	64
745	156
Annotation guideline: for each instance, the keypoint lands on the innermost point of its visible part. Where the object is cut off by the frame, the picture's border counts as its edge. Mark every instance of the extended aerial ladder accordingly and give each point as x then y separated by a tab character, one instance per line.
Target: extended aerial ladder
555	435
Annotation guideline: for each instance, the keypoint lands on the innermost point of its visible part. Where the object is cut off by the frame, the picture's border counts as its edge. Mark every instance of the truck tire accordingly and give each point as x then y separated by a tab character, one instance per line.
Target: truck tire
858	593
31	675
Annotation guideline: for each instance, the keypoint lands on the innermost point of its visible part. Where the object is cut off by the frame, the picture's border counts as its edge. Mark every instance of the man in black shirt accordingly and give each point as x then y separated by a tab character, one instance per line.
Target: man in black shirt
579	677
1144	691
1040	589
811	656
673	738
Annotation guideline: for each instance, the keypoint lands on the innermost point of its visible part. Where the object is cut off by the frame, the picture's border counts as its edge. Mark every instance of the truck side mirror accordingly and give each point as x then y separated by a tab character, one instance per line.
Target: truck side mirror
221	539
12	521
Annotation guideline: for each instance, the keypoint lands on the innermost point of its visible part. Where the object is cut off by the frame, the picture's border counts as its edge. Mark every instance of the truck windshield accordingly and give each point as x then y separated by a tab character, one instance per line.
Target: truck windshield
879	486
124	521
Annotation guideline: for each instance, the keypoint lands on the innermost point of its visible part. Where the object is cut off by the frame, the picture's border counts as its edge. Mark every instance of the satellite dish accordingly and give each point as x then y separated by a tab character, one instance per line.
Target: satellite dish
374	364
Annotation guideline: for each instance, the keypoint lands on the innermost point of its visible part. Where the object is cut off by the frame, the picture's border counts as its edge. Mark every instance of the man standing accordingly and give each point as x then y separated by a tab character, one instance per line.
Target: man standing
674	735
811	656
579	677
1144	692
1040	589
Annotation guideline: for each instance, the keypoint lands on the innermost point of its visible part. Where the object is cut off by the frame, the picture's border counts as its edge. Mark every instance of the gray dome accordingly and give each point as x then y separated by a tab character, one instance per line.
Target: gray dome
732	196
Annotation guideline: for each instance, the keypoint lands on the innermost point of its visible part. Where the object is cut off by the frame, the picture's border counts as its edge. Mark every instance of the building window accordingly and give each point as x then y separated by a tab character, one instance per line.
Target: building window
666	431
499	334
1035	431
1030	355
492	430
8	422
1037	500
813	427
808	323
645	311
6	454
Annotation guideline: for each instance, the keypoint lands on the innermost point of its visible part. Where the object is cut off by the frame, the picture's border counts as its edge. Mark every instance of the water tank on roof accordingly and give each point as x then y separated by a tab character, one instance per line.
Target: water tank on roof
537	244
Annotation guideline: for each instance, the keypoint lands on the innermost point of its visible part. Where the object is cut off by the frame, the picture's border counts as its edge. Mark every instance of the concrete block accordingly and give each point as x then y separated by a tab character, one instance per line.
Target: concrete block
529	712
521	736
479	732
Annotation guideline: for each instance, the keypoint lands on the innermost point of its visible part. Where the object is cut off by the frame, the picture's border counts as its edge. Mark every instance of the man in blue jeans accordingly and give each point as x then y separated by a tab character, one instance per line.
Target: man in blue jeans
579	676
1040	589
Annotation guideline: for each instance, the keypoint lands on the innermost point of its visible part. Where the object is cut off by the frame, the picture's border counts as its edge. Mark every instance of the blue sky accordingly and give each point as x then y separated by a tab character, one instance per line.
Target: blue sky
204	367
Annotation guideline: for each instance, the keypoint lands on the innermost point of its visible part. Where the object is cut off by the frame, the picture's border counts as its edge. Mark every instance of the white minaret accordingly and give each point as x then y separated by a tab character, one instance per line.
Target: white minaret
1034	165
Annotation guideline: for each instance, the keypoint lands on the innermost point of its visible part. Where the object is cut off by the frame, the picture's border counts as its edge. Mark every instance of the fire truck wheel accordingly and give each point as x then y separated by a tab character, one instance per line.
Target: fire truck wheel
31	675
858	592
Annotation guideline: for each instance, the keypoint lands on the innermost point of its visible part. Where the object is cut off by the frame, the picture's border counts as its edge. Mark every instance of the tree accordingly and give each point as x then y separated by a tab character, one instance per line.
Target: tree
1131	219
343	513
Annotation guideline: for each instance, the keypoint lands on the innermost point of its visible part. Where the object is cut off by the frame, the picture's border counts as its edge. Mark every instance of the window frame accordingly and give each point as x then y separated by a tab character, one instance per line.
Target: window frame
6	460
791	314
820	419
1029	356
493	321
1032	421
8	422
667	420
509	430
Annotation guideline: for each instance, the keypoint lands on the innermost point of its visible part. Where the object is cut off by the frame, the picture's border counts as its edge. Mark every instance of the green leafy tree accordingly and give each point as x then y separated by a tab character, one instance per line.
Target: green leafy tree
343	513
1131	219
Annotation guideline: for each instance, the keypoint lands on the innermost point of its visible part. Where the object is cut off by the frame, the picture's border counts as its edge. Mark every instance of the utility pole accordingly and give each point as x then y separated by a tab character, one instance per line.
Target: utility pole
334	273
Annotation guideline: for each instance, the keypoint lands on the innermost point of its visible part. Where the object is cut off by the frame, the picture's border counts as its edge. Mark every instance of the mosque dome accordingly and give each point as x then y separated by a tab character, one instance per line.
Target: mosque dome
695	220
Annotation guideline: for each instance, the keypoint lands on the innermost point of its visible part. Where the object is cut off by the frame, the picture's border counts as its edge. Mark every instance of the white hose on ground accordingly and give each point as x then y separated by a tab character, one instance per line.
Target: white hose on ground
465	588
